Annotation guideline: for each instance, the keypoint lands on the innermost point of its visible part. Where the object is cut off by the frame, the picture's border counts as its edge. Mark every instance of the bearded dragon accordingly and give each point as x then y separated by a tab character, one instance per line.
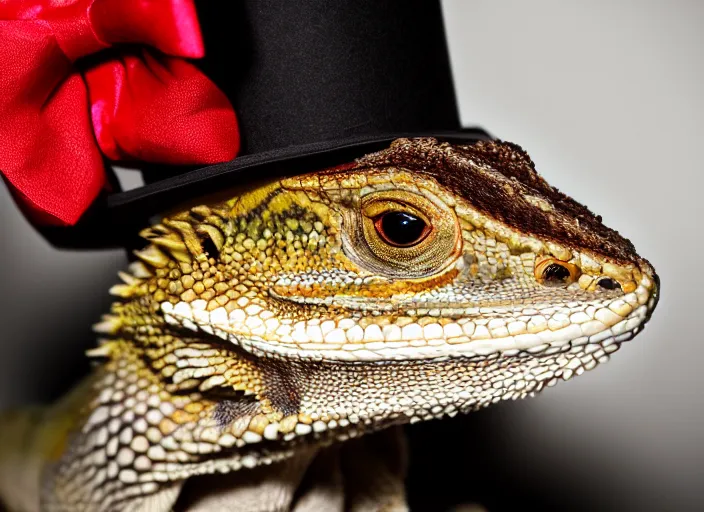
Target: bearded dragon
258	330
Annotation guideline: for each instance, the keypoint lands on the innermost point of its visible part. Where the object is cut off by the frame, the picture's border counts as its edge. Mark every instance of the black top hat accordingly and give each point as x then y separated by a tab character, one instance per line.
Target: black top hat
315	83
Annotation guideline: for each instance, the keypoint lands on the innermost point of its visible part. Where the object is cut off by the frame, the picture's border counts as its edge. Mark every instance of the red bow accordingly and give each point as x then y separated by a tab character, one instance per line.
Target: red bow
56	115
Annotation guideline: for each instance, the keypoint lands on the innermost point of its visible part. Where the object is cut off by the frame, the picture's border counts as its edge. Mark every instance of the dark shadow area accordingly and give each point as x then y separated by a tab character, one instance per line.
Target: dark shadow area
463	460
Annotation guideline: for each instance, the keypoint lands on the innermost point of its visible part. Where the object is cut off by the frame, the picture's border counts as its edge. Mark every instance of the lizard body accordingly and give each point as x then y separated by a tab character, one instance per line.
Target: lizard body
419	282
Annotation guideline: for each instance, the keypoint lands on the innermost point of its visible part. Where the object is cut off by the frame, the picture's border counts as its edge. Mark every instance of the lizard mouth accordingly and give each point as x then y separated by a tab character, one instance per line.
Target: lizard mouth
597	326
332	383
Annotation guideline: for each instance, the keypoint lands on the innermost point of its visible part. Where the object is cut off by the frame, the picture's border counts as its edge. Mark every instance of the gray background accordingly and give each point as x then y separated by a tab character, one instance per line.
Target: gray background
607	97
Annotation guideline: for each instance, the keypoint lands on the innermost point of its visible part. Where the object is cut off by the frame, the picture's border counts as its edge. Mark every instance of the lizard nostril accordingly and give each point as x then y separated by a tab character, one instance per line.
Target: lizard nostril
556	272
552	272
608	284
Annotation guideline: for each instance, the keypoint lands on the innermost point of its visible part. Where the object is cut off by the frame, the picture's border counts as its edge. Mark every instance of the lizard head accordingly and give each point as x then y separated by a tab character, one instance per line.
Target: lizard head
419	281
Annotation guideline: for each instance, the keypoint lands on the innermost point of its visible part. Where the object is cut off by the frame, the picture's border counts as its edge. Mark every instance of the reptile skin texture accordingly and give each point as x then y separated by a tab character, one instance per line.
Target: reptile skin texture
267	342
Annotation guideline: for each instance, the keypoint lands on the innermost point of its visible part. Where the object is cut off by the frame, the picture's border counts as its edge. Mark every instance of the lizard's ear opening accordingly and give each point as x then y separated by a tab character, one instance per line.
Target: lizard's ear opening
209	248
211	240
401	234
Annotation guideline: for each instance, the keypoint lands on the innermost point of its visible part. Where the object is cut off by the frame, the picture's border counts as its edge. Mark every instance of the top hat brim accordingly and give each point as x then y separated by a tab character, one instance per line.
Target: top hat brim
139	204
116	219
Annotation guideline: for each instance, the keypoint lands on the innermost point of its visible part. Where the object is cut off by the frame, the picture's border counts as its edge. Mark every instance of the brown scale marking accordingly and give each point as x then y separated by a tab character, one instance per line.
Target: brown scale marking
463	170
279	387
227	412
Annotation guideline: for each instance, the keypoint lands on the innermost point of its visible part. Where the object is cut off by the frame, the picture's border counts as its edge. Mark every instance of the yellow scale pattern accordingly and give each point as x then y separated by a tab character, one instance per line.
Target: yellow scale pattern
281	316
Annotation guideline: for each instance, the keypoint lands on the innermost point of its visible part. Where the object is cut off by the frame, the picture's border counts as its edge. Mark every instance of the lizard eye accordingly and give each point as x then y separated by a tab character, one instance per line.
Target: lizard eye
401	229
553	272
401	234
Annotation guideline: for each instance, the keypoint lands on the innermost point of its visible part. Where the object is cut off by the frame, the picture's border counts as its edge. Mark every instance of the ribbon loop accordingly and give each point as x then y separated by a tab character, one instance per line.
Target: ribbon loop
170	26
83	27
164	110
56	114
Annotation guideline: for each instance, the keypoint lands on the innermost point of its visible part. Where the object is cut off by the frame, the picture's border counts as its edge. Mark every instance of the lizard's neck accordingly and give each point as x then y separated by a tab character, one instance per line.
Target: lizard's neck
137	434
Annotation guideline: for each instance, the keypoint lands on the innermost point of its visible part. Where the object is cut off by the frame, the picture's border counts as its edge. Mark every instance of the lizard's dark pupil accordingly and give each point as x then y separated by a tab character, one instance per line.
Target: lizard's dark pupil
401	228
555	273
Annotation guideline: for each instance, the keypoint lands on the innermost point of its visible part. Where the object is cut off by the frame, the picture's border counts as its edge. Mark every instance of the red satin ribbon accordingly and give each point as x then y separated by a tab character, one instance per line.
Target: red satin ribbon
58	117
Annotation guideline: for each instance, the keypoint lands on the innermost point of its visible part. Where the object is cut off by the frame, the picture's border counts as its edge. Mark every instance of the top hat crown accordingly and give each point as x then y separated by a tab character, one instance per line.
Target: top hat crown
314	84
